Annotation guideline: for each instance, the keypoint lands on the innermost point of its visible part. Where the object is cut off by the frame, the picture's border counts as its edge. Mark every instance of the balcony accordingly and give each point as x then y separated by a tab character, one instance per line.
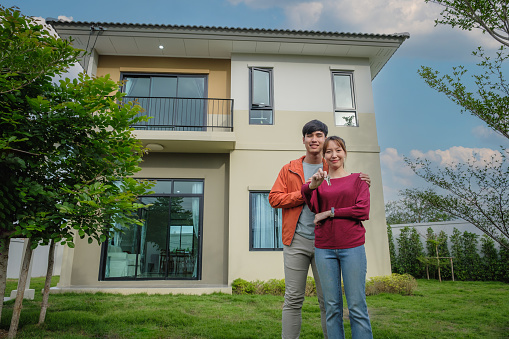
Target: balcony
184	114
189	125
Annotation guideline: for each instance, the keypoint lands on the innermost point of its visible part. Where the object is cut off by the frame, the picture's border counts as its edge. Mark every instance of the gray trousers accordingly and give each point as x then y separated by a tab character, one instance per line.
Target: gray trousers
297	257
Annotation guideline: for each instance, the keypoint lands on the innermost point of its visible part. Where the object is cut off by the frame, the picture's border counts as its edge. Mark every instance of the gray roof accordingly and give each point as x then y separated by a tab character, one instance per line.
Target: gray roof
134	39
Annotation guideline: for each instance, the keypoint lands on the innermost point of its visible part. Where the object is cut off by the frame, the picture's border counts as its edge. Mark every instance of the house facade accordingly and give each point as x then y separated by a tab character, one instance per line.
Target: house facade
227	108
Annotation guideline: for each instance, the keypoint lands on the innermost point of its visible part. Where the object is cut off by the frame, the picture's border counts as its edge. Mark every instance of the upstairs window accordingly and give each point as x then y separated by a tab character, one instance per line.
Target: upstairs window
345	112
261	96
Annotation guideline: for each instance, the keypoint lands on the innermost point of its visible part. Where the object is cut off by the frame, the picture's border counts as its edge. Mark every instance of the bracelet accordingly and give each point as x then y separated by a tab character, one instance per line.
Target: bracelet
332	212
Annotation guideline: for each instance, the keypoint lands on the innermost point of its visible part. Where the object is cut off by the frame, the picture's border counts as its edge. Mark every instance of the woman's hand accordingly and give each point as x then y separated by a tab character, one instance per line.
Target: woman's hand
317	179
321	216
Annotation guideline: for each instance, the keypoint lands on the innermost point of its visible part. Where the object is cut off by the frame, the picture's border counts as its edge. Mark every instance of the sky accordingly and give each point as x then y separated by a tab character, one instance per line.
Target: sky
412	119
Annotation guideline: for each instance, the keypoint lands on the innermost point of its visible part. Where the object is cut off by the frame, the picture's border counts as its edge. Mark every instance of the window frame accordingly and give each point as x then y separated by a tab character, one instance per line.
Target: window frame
339	110
276	212
270	106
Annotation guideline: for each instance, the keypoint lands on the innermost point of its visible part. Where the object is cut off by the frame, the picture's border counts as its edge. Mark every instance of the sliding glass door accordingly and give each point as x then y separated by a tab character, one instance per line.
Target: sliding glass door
168	245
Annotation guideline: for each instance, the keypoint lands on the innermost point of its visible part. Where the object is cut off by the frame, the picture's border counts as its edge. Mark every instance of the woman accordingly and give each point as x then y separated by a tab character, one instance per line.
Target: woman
341	203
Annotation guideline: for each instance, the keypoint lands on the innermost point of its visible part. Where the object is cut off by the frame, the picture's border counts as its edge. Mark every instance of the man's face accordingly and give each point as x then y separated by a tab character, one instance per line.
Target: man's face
314	142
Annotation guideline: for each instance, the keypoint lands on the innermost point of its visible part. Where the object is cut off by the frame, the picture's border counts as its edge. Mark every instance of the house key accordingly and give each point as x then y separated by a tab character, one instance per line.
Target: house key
327	178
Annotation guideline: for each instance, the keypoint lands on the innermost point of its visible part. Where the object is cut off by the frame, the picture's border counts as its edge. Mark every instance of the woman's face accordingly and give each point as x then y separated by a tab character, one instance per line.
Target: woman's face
335	155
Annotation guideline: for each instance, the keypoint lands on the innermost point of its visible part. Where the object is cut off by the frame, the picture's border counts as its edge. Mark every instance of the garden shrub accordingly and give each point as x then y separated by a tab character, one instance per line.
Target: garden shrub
403	284
310	287
241	286
272	287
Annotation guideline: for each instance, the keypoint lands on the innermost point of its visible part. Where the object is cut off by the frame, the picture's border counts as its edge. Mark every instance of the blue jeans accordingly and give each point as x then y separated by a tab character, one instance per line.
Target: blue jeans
352	263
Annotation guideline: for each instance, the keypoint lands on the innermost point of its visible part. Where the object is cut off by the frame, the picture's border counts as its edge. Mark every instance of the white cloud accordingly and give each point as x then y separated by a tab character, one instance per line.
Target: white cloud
397	175
304	15
487	134
457	154
394	168
65	18
385	17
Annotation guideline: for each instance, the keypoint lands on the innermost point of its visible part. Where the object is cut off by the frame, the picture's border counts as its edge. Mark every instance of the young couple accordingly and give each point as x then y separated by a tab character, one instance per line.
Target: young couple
323	209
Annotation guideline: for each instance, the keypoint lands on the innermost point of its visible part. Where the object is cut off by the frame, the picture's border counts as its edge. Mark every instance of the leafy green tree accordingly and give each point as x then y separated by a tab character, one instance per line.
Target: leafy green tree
67	152
476	190
392	250
491	268
504	262
410	250
490	16
413	208
467	262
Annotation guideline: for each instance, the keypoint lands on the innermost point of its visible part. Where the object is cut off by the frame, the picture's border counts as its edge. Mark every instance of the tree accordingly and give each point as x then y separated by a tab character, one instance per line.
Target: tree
67	153
392	250
413	208
488	15
410	250
478	189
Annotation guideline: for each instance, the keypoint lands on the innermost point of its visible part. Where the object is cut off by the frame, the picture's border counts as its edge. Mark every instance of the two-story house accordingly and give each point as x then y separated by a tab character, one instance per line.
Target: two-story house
227	108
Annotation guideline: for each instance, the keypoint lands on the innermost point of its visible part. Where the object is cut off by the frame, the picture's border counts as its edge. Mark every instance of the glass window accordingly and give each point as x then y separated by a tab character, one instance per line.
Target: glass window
345	113
173	101
183	187
265	223
261	96
167	246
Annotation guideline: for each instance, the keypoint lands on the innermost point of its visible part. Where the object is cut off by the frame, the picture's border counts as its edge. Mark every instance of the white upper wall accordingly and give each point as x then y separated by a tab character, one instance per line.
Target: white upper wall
302	83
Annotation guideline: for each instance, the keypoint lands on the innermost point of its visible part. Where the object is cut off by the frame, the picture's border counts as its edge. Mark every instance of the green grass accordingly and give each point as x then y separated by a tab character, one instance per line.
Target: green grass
437	310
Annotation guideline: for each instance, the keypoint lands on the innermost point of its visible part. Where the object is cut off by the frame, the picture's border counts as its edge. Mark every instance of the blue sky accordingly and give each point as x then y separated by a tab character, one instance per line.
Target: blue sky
411	117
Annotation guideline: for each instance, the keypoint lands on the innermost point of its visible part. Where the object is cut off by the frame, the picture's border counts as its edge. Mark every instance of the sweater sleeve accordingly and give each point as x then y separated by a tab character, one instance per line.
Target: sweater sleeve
279	197
311	198
360	210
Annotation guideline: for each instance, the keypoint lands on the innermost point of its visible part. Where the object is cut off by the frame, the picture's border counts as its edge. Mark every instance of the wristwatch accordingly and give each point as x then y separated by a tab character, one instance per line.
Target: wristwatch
332	212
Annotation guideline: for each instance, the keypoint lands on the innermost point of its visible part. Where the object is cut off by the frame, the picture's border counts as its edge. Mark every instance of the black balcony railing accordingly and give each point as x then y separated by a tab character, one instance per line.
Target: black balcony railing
184	114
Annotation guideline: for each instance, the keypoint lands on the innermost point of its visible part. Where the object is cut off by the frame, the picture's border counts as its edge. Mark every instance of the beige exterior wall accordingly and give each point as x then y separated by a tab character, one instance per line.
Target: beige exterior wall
302	92
218	70
83	261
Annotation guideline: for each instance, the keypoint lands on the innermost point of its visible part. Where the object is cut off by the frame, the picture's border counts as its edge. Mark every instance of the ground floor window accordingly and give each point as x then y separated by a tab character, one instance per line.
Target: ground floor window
168	245
264	223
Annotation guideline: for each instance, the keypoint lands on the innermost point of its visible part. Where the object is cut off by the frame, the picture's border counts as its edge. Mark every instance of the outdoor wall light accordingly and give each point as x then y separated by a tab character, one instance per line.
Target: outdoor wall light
161	46
155	147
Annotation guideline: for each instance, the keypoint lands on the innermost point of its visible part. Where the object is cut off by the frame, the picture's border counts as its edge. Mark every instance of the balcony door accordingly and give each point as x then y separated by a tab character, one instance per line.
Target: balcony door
174	102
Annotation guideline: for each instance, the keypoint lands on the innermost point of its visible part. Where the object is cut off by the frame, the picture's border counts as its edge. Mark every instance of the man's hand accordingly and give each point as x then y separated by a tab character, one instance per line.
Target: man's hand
366	178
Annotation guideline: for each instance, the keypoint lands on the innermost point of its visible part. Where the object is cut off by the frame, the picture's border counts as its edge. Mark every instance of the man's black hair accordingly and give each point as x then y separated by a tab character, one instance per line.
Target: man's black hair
313	126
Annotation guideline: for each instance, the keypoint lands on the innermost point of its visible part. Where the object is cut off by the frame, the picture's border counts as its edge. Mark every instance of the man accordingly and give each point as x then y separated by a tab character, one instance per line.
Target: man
298	227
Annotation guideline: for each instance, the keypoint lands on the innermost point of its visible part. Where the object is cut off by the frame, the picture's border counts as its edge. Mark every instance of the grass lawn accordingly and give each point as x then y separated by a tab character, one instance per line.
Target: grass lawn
437	310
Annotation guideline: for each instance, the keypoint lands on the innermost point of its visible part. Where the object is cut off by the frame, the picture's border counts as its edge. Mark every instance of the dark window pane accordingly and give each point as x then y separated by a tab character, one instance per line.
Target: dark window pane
343	91
135	87
122	251
260	117
153	237
188	187
162	187
261	88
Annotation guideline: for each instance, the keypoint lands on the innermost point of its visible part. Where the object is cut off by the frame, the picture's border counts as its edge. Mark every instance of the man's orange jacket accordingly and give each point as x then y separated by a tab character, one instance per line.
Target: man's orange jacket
285	194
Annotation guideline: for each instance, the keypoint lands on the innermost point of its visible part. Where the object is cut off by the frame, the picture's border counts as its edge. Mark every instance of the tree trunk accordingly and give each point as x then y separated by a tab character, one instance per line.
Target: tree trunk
438	263
21	291
47	284
4	259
